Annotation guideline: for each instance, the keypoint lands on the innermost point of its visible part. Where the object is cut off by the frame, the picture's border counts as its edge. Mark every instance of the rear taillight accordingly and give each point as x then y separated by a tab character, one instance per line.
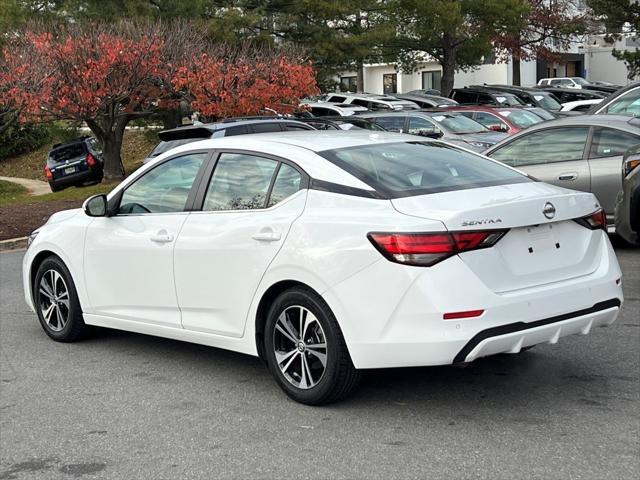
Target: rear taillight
48	172
629	165
91	160
594	221
426	249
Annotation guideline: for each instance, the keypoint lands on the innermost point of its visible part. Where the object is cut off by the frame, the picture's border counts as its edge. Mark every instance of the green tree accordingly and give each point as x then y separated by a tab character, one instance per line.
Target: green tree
456	33
619	18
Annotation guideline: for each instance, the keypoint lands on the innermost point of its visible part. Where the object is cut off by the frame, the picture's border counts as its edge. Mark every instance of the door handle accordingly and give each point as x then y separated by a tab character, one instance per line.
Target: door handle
568	176
267	235
162	237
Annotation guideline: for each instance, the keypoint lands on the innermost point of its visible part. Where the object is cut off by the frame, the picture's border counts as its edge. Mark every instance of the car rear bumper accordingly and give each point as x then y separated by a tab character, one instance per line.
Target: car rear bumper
396	319
78	177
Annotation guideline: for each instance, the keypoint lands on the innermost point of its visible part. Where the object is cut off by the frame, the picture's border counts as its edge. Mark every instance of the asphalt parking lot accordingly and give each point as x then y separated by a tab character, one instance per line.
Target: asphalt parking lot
122	405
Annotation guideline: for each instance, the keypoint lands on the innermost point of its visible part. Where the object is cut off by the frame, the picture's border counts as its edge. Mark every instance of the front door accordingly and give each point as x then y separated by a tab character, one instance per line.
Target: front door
129	257
223	250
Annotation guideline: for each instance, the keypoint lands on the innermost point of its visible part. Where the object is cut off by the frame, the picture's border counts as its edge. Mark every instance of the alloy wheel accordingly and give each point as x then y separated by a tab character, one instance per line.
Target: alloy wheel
54	300
300	347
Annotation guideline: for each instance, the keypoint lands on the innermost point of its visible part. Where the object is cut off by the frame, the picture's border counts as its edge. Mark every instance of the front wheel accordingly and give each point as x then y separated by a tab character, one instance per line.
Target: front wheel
56	301
305	349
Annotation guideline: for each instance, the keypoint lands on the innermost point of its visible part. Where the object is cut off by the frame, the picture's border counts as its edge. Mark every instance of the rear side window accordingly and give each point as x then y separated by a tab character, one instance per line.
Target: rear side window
484	99
465	97
545	146
491	121
608	142
406	169
266	127
295	127
288	181
360	102
392	124
237	130
322	112
336	99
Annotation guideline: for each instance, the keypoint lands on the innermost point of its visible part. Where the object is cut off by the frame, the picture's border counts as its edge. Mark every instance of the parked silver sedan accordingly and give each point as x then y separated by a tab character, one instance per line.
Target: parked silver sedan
581	153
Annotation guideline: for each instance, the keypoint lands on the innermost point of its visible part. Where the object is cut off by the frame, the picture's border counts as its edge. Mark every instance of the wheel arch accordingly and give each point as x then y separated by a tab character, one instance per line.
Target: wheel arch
265	303
35	264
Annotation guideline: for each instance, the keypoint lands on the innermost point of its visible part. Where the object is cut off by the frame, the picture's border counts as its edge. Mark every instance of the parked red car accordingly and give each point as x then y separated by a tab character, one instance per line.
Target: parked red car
500	119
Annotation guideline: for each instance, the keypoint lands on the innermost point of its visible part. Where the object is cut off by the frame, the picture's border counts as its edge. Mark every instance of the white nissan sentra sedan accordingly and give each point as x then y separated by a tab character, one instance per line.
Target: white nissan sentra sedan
328	253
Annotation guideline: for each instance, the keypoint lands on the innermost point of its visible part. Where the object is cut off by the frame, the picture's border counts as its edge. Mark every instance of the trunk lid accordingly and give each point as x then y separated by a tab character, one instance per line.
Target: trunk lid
536	250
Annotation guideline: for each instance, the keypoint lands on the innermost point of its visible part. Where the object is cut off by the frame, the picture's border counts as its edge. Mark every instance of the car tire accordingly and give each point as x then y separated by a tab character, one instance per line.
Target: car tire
54	188
308	372
56	301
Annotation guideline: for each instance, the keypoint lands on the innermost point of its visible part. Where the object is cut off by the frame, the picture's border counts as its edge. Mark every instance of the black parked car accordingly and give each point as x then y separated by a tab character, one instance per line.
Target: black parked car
74	163
232	126
484	96
565	95
532	96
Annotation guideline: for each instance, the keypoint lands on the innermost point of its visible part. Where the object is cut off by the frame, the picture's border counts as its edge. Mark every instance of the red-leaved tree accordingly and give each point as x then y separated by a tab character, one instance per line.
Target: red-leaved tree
101	75
233	81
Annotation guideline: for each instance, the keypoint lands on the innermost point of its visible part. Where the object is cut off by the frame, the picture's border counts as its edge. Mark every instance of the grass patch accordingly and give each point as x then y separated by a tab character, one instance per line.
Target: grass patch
71	193
135	147
11	193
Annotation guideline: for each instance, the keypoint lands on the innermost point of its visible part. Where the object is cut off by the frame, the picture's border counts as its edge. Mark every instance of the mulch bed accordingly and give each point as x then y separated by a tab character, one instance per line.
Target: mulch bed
20	219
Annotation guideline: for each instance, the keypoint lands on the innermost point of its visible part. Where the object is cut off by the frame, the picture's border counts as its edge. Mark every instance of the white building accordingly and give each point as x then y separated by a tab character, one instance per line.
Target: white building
591	60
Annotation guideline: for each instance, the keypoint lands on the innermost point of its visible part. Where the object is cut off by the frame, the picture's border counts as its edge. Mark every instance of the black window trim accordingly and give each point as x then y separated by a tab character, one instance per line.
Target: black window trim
207	175
113	204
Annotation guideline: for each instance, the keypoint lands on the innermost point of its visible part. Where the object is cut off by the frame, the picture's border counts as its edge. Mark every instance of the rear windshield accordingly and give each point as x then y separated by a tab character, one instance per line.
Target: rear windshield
460	124
68	152
416	168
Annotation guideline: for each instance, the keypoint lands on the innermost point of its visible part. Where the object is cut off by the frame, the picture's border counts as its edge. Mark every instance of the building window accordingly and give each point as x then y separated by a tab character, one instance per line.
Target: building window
431	80
390	83
348	84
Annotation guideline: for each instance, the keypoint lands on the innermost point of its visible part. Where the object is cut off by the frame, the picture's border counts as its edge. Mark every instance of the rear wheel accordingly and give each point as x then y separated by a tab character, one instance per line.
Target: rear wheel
54	187
56	301
305	349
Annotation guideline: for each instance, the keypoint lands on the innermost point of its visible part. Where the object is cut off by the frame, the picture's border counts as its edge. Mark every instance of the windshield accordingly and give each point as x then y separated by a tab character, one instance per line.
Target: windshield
166	146
459	123
418	168
508	100
580	81
542	113
521	118
547	101
67	153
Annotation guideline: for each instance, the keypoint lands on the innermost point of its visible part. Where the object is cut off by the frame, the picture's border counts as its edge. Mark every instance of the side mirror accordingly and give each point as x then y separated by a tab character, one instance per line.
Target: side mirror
96	206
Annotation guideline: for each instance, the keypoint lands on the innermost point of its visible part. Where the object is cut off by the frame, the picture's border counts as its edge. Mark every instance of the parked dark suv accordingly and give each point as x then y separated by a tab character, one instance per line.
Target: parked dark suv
74	163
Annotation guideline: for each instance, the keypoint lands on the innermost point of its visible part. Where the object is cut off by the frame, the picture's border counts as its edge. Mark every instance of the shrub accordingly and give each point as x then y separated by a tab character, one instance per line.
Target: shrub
19	139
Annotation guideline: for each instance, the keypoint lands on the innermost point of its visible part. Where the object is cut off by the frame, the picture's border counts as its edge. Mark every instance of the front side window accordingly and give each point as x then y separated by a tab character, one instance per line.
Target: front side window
458	123
163	189
419	125
405	169
546	146
546	101
490	121
608	142
239	182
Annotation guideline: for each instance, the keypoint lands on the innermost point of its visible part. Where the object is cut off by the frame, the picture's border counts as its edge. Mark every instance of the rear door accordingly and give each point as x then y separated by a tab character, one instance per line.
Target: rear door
605	162
553	155
248	205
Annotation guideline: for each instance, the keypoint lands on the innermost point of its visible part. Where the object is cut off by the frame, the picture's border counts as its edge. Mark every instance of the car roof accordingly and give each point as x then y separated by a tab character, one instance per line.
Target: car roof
350	106
197	131
482	89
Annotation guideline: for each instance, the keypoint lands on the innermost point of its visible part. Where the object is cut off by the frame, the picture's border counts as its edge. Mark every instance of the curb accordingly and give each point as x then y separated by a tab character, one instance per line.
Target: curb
13	244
